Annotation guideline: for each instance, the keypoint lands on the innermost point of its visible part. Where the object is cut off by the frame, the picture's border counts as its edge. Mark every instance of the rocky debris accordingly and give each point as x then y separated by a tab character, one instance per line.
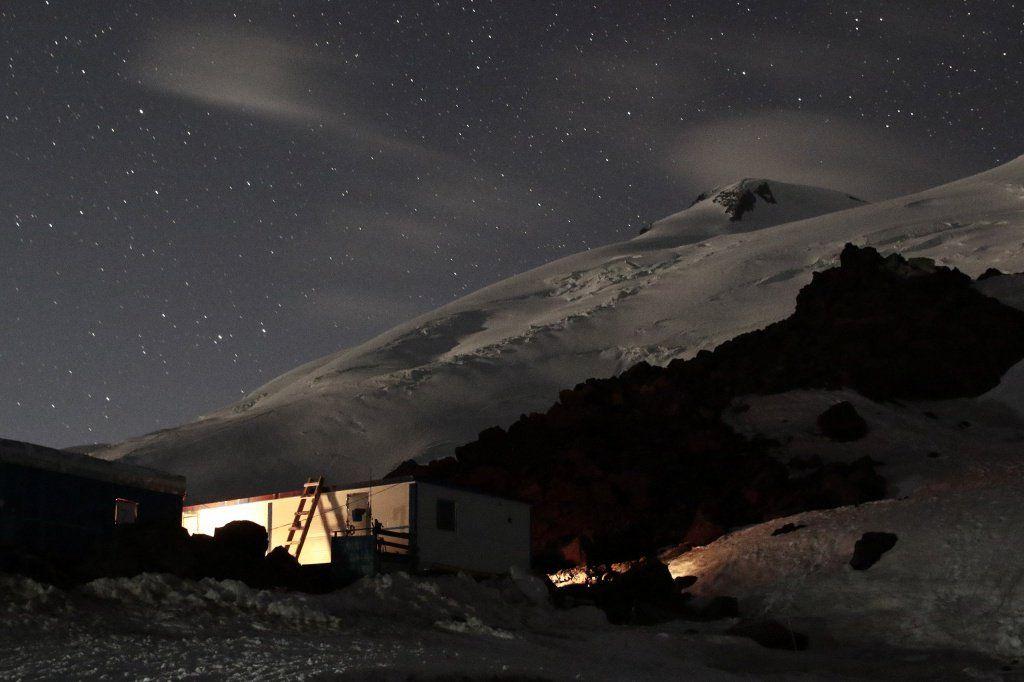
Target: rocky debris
620	466
842	422
870	548
640	592
141	548
787	528
236	551
770	634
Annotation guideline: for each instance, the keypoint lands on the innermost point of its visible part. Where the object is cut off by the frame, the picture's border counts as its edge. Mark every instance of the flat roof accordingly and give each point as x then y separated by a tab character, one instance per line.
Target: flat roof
85	466
347	486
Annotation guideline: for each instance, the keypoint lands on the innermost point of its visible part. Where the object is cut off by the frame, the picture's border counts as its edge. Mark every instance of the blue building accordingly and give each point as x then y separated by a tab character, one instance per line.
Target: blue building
59	503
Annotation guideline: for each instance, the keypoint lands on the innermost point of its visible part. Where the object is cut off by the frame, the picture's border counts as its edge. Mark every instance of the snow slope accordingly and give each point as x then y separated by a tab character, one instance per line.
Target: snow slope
692	281
953	578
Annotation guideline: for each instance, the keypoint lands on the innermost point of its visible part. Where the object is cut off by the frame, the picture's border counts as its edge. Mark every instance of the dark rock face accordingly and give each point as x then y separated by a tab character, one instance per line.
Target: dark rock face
882	326
770	634
870	548
620	466
842	422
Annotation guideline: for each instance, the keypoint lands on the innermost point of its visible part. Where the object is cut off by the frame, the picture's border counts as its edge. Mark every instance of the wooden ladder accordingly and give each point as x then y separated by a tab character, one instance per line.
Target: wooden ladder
304	515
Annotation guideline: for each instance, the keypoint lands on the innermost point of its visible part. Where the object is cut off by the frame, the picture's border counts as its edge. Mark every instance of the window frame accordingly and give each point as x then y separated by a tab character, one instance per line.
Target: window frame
121	503
453	515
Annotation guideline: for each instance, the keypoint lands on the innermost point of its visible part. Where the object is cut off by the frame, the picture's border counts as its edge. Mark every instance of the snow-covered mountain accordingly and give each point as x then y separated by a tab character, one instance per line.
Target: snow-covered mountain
730	263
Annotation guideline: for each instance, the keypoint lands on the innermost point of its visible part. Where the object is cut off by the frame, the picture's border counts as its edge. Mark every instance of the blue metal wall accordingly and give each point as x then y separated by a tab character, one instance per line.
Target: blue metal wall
56	513
353	556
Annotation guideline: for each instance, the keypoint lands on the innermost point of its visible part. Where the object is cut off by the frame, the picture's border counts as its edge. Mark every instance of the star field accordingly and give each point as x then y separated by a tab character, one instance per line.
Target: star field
196	197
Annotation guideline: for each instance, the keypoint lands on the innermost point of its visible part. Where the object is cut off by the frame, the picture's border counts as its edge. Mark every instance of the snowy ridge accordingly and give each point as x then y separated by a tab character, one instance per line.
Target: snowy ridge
748	205
694	280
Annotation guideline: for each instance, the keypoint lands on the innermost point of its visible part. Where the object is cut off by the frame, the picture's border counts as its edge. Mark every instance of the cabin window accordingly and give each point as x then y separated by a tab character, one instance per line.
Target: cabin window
125	511
446	515
358	515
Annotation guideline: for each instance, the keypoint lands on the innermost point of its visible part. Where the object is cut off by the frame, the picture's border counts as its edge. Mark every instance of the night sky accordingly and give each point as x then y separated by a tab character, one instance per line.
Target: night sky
198	196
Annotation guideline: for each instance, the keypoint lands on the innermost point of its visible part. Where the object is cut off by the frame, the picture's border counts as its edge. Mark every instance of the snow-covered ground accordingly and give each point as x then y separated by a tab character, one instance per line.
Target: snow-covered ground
694	280
953	578
392	628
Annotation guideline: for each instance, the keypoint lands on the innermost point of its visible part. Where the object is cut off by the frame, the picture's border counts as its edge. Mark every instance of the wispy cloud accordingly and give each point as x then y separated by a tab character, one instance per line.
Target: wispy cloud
807	148
259	74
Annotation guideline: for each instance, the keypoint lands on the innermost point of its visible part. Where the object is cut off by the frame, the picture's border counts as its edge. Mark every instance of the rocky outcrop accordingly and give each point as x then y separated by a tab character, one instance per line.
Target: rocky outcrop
640	592
842	422
244	538
623	465
743	198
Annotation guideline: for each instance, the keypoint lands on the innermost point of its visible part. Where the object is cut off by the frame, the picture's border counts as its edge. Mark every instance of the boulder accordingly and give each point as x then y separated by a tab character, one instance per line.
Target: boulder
639	592
281	568
870	548
842	422
243	538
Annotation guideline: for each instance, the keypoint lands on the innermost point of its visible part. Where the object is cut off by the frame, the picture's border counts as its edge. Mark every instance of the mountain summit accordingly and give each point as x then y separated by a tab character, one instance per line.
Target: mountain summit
695	280
747	205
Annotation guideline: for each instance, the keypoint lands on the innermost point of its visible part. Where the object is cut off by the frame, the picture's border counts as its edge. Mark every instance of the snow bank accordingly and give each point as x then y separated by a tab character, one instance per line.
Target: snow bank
19	594
176	594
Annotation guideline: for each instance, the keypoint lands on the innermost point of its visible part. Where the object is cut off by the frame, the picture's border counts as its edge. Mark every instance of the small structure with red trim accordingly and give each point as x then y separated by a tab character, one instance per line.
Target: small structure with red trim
362	528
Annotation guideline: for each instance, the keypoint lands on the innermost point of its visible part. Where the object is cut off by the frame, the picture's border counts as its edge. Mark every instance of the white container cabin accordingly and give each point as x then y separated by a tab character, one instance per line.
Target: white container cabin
414	524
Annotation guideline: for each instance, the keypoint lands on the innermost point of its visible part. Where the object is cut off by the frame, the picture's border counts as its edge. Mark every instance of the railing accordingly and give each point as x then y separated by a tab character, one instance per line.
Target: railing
392	542
386	540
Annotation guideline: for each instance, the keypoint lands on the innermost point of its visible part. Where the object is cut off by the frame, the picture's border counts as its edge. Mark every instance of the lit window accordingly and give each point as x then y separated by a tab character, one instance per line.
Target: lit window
446	515
125	511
